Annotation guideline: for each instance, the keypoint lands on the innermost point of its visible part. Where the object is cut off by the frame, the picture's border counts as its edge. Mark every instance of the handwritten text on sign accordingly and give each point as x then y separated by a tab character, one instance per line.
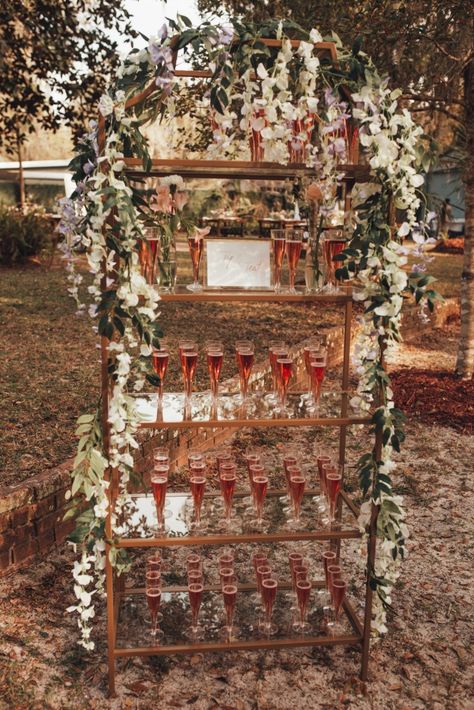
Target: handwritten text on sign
237	263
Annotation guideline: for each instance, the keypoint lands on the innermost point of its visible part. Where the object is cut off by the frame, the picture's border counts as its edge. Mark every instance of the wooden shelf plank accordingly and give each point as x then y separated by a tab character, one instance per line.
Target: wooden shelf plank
238	423
181	294
227	169
247	645
209	540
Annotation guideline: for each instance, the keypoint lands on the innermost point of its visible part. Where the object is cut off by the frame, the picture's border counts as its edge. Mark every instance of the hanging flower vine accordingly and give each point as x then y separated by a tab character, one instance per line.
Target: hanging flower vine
293	101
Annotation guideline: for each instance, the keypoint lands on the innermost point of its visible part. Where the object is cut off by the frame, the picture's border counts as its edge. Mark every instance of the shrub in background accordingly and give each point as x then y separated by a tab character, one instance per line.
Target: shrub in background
22	234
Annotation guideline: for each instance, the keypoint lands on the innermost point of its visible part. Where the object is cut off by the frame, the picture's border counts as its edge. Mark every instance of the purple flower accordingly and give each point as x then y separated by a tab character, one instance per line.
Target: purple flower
163	31
226	35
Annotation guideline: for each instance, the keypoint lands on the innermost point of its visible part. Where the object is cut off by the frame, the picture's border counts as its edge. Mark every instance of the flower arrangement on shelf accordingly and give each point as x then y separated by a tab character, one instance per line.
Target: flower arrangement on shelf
291	99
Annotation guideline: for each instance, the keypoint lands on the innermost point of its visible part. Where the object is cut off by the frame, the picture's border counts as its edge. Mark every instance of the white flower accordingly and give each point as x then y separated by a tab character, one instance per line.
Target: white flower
315	36
106	105
176	180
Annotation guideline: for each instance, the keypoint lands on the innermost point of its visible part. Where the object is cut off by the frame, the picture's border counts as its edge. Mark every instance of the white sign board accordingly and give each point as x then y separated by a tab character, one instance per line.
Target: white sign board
238	263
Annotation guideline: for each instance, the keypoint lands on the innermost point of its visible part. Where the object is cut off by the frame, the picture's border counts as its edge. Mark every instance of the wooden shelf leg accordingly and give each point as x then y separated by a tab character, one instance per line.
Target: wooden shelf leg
110	623
371	548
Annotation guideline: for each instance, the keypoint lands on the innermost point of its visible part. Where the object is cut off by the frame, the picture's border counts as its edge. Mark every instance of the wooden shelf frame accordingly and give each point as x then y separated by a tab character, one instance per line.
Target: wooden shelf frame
197	169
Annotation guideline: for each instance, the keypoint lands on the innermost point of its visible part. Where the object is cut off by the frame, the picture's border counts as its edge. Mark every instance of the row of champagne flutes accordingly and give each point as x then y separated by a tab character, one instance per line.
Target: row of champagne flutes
290	242
329	598
282	365
329	474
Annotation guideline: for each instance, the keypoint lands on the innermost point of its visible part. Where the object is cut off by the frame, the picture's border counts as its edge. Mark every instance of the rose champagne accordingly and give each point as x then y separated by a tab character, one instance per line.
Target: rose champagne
297	486
159	485
214	365
198	484
190	363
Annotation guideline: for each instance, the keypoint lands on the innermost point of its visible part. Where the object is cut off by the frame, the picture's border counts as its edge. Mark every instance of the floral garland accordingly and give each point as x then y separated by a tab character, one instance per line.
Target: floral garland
276	96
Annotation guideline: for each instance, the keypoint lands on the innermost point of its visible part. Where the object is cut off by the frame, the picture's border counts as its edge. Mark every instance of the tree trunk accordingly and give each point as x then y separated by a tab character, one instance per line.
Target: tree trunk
21	175
465	359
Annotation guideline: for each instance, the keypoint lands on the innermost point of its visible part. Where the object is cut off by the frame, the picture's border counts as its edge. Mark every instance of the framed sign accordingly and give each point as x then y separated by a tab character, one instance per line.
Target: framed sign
238	263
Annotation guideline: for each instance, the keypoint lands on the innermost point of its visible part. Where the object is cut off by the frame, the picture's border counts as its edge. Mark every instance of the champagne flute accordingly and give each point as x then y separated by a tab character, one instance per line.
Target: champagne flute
159	484
245	360
256	469
339	588
275	349
198	484
260	484
278	237
195	244
329	558
303	593
322	461
190	358
269	590
332	247
229	593
259	559
295	559
318	368
195	576
228	480
160	359
289	461
185	346
294	245
215	356
333	484
251	459
285	370
313	345
195	598
153	598
297	486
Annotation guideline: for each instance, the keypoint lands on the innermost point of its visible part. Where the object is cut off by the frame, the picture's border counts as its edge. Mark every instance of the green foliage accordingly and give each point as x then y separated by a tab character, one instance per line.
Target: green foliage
22	234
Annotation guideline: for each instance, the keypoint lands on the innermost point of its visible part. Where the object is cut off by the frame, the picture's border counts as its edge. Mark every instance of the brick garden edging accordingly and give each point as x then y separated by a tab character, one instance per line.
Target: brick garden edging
31	514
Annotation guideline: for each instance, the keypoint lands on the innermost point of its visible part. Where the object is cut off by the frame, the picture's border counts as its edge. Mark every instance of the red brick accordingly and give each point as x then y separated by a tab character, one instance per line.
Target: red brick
5	521
45	506
5	559
48	522
46	540
61	497
63	529
7	537
24	551
22	516
22	533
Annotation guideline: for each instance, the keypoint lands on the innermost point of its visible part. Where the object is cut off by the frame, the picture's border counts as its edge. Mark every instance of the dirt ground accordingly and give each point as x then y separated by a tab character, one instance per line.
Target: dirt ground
425	662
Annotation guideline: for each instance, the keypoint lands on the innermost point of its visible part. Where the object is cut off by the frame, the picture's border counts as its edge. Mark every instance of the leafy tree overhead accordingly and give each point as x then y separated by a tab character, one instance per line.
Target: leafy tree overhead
55	60
427	48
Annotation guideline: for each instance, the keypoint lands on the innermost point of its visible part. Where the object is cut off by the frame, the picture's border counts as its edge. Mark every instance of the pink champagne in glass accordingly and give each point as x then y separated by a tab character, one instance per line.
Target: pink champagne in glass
229	592
269	590
279	245
318	369
303	593
190	362
160	359
198	484
159	485
195	244
333	485
260	486
322	461
329	558
285	370
294	245
245	358
332	247
228	481
153	598
297	486
195	597
214	365
339	588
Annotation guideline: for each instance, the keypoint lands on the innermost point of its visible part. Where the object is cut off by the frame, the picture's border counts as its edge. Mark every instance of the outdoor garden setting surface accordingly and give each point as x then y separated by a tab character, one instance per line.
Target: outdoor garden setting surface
425	662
